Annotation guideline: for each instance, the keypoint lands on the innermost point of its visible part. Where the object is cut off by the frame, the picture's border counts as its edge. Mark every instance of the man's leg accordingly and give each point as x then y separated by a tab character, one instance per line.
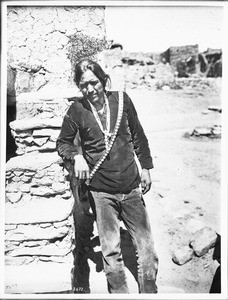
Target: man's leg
107	218
136	220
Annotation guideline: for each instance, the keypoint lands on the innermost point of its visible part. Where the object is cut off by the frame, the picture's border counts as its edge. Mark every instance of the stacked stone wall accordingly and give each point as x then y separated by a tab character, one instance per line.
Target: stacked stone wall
39	230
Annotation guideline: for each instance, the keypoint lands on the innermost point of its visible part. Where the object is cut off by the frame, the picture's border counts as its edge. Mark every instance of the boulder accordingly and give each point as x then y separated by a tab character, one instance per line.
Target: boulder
203	240
182	255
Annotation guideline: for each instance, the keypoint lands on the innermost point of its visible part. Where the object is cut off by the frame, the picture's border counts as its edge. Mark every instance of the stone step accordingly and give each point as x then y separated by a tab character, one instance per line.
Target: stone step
39	210
51	101
32	162
49	93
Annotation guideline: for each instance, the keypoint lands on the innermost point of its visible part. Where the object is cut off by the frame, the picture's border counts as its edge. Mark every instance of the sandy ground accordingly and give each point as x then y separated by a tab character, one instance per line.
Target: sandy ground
185	195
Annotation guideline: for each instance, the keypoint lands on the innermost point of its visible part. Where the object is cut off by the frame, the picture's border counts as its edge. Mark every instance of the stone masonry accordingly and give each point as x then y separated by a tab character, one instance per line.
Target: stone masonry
39	42
39	224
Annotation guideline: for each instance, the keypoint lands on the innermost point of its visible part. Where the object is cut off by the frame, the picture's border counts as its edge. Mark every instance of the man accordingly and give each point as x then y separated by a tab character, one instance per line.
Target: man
110	134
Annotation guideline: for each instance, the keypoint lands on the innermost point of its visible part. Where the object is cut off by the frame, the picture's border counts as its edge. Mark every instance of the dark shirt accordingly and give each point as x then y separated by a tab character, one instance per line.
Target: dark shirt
119	171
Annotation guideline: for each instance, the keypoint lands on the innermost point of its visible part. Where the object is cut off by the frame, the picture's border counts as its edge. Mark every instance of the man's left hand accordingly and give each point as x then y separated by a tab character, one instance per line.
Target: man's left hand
145	181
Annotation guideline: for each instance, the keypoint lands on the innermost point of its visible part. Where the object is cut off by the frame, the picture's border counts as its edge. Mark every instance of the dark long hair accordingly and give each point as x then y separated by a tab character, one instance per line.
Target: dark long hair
88	64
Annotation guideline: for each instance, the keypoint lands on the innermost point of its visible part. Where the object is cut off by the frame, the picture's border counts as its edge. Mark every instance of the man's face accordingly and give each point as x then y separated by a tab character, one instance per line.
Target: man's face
91	87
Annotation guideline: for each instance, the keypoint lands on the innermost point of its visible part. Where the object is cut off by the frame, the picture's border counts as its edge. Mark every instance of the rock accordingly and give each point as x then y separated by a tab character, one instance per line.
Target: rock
63	223
45	225
40	174
39	210
203	240
33	243
53	278
202	131
43	191
36	122
166	88
48	146
182	255
50	92
67	195
28	140
32	232
215	108
47	250
26	179
10	227
25	188
14	197
59	259
217	130
17	261
22	134
46	132
43	181
13	187
30	163
60	188
29	173
18	173
40	141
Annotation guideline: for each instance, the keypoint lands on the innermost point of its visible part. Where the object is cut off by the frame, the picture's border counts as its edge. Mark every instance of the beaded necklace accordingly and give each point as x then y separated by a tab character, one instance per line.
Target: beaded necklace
112	135
107	133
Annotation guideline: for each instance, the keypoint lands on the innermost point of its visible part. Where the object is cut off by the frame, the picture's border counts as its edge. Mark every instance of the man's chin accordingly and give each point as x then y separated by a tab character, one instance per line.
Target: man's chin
93	99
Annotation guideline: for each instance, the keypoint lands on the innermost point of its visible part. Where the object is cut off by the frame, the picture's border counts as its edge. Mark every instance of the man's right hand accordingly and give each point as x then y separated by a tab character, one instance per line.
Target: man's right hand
81	167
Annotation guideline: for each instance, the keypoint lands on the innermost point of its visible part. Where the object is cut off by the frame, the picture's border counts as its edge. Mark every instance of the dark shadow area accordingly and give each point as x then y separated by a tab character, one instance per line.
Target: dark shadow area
11	112
216	282
11	116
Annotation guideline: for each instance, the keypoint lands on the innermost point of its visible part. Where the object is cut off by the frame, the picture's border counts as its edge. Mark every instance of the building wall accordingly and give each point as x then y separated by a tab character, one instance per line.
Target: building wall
40	235
39	42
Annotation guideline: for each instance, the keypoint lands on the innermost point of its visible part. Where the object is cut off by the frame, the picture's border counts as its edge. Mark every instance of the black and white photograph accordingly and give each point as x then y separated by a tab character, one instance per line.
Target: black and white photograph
113	150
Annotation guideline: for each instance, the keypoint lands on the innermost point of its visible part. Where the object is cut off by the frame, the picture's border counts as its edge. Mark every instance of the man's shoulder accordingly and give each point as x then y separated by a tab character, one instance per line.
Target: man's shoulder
77	103
116	95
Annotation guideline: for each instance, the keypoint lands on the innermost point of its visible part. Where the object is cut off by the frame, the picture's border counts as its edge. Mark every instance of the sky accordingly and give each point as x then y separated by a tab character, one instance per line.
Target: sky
156	28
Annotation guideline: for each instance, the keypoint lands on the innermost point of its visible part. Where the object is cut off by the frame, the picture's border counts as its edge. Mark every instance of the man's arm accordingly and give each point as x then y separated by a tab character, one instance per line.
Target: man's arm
141	146
65	142
68	151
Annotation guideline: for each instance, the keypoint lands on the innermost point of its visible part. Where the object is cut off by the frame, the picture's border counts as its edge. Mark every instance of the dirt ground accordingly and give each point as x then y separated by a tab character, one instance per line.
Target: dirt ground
185	195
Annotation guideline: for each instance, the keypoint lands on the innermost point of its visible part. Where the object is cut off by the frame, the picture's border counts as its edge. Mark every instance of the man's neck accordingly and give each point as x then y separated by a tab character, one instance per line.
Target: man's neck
99	104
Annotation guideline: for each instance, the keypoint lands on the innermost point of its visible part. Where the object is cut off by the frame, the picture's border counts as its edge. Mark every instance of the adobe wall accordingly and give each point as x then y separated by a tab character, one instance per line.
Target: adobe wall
39	42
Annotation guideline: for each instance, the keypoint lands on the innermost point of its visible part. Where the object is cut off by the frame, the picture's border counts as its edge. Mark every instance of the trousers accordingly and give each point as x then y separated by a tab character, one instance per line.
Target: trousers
130	208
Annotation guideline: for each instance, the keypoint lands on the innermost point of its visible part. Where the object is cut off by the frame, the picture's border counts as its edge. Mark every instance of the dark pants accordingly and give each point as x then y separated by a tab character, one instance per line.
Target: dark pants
130	208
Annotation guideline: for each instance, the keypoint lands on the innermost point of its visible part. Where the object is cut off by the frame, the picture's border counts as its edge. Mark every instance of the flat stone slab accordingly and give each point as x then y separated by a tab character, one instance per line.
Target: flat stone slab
46	250
36	123
38	277
39	210
32	162
49	93
33	232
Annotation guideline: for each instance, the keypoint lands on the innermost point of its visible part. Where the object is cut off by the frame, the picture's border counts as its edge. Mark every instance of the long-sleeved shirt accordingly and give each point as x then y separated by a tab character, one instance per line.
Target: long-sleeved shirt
119	171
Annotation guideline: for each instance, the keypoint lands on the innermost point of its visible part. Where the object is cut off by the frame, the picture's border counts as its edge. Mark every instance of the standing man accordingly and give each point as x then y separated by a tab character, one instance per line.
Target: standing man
111	133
